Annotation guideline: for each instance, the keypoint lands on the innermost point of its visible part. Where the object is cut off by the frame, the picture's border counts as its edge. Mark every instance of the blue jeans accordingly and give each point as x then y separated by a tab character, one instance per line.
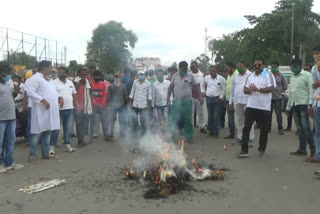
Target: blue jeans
121	111
82	124
66	118
305	133
316	112
44	139
7	141
28	134
213	106
54	137
102	112
276	105
231	122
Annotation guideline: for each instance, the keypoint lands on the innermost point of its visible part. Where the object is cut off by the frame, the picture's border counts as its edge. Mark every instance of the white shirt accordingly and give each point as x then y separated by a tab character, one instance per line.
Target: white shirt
66	91
20	96
260	100
141	93
214	87
43	119
160	93
25	89
237	96
198	76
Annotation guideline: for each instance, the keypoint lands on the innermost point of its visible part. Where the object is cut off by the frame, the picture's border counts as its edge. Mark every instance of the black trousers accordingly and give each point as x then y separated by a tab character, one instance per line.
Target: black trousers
262	117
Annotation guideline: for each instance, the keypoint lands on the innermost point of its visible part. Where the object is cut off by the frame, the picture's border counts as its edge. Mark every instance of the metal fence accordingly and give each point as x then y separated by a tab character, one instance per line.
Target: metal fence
13	41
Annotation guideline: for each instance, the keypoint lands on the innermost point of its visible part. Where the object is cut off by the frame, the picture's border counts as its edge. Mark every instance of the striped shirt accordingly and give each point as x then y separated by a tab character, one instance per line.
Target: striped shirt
260	100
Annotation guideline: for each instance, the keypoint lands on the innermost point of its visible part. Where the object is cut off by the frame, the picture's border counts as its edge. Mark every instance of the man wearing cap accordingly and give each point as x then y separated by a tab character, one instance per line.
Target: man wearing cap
117	99
140	101
181	112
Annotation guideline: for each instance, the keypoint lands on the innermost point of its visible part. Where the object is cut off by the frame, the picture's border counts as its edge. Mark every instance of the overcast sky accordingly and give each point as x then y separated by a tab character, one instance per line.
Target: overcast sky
170	29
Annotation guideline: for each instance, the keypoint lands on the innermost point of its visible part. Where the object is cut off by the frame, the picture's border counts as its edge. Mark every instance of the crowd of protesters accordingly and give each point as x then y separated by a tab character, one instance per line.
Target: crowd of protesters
43	101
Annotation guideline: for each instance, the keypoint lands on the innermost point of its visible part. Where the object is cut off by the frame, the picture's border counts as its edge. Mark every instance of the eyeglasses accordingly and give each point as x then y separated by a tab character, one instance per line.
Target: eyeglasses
257	65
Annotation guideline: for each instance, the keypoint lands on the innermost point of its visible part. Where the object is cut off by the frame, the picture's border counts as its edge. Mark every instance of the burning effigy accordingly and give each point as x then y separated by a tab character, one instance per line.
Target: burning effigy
166	169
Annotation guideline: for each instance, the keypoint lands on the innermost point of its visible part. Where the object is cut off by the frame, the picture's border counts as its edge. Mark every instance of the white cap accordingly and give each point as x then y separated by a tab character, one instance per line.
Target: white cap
141	72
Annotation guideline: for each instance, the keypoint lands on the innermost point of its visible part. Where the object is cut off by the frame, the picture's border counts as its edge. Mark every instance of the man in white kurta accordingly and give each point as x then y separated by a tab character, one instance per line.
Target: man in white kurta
45	109
238	100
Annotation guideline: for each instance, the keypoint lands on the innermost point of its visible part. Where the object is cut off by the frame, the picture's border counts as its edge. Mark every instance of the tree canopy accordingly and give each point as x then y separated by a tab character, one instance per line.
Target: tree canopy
270	36
109	47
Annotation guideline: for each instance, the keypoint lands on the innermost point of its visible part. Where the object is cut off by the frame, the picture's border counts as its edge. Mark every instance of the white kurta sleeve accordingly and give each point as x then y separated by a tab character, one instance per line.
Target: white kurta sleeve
33	85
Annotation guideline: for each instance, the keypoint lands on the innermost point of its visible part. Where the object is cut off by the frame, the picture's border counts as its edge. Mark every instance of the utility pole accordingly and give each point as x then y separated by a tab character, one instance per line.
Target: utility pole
206	41
292	19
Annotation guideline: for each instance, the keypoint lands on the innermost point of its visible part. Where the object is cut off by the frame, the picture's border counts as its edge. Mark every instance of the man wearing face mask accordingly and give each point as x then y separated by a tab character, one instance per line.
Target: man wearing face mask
231	70
181	86
140	101
152	77
45	109
7	121
117	99
238	100
276	101
82	116
99	98
68	92
159	98
299	99
258	86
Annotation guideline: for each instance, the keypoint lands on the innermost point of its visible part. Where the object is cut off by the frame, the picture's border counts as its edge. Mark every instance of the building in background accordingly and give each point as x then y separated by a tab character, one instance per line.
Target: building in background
146	63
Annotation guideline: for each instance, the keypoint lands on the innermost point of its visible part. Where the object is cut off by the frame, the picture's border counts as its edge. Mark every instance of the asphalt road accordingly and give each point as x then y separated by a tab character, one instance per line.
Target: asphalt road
96	183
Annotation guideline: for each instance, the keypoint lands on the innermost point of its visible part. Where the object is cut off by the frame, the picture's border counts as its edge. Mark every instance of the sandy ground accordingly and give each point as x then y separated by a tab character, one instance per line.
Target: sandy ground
96	183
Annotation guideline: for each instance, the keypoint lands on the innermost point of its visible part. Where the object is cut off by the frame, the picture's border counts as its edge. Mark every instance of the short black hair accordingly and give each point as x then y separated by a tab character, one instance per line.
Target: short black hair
183	64
275	63
44	64
80	70
243	62
172	68
296	61
316	48
260	59
97	73
308	64
4	67
92	67
194	62
213	66
230	64
17	77
63	68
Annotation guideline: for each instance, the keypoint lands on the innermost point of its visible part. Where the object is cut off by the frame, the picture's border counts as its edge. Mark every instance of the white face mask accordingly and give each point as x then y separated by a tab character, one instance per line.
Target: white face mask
71	78
117	82
48	77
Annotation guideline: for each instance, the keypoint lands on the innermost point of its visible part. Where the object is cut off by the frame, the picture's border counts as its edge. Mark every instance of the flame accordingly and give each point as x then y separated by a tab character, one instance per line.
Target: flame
128	173
225	147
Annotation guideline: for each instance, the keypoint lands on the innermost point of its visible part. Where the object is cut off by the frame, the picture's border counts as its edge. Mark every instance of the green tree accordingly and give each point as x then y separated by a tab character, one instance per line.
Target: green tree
109	47
74	66
203	62
270	36
21	58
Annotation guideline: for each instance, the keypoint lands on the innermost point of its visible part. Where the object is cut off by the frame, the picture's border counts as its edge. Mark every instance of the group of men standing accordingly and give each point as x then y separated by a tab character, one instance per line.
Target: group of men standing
173	103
